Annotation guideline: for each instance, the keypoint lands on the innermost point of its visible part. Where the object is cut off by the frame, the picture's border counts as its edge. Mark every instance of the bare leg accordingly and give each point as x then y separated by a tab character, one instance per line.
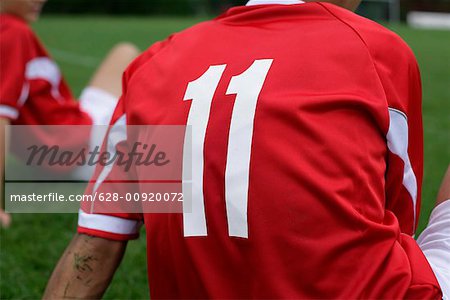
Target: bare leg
444	191
108	76
99	99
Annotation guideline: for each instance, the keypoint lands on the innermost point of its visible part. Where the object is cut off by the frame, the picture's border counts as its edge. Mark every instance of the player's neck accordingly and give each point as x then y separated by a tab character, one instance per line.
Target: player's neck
347	4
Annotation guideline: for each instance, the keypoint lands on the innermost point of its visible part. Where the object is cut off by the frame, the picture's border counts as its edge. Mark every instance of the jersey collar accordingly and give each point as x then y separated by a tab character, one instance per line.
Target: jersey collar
260	2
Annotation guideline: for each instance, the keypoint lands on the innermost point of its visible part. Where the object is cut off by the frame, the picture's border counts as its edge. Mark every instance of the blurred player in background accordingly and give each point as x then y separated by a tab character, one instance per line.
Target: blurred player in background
306	165
32	88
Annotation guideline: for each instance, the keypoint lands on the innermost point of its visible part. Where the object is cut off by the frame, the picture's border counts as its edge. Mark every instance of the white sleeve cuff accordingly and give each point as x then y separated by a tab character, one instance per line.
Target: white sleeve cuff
8	112
109	224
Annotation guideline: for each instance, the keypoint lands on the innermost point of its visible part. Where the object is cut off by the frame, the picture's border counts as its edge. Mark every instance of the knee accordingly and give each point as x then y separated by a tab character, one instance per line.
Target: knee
126	50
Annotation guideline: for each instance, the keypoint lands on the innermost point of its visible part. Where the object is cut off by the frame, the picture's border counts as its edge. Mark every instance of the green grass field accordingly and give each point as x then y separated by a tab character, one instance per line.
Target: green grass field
31	247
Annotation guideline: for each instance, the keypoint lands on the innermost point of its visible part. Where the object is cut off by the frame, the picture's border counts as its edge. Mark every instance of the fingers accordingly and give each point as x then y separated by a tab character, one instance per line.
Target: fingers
5	219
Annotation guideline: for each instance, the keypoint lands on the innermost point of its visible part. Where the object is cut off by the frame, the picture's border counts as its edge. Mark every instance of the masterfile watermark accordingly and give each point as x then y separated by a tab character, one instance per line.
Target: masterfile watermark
131	169
139	155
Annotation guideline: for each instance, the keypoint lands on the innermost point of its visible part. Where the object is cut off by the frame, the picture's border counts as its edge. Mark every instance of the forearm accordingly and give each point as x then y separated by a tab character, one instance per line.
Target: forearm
3	140
5	218
85	269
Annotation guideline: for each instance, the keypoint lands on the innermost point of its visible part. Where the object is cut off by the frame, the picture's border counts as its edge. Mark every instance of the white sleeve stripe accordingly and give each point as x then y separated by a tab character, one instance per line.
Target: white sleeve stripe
24	94
397	141
46	69
108	223
8	111
116	134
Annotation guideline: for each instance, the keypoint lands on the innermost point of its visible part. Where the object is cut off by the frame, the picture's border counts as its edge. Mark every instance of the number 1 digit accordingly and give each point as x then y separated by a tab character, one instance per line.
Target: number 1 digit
247	87
201	92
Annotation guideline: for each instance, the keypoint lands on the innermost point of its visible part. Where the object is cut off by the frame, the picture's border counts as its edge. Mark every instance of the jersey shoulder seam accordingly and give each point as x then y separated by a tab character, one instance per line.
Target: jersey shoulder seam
166	42
363	41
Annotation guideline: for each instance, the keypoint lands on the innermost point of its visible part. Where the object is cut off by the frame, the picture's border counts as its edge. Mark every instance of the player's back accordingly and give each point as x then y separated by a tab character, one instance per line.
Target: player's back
289	121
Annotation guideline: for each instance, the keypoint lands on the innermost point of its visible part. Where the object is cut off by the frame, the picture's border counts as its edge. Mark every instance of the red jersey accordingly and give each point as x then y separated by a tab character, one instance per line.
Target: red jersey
307	158
32	89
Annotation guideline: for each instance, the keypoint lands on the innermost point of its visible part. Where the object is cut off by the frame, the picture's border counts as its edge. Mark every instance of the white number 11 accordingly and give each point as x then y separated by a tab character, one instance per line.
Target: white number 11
247	87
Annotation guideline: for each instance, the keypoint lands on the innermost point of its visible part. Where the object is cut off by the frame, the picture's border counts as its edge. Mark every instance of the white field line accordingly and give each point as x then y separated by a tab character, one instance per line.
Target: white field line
74	58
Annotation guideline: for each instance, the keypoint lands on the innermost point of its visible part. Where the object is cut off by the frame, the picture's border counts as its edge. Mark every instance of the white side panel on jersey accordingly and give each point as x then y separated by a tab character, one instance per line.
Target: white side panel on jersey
46	69
9	112
116	134
24	94
247	88
201	92
397	141
108	223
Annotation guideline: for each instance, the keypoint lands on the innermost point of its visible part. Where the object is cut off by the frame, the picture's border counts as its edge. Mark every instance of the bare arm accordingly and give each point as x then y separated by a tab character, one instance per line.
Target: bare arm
5	219
444	191
85	269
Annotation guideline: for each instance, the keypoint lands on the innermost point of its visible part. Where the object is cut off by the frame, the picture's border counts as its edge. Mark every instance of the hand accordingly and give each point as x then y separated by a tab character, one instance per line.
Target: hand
444	191
5	218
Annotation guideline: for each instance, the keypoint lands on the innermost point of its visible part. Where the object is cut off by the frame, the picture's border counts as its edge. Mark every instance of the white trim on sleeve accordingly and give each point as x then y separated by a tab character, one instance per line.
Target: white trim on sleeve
108	223
9	112
46	69
397	142
24	94
116	134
